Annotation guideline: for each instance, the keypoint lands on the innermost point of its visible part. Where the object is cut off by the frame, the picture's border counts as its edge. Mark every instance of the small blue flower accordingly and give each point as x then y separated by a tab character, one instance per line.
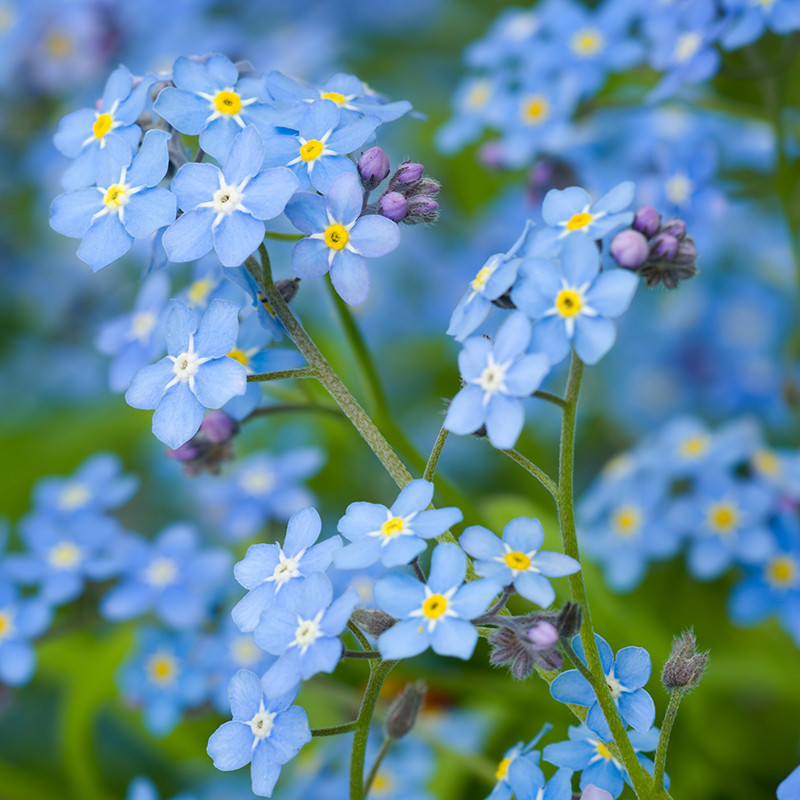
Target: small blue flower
267	568
625	677
319	152
395	535
435	614
497	377
224	209
126	204
573	304
516	559
211	100
746	21
303	630
197	374
84	134
20	621
339	237
266	731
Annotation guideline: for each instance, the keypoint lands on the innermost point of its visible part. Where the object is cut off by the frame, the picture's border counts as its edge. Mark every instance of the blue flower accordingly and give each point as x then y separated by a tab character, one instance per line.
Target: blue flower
171	576
789	788
339	237
225	209
350	94
84	134
303	629
268	568
197	374
126	204
319	152
572	304
20	621
746	21
493	280
393	535
209	99
435	614
266	731
516	559
625	677
497	376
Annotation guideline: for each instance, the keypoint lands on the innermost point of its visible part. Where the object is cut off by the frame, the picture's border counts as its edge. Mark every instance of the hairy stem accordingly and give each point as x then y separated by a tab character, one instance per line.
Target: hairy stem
334	730
663	739
387	743
433	458
301	372
537	472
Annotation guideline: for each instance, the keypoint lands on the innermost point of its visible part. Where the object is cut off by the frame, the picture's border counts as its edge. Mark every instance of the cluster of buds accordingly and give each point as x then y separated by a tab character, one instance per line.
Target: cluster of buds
522	643
659	253
210	446
408	197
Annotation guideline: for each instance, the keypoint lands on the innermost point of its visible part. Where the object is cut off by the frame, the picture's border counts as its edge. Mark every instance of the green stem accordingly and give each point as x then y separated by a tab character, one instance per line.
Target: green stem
377	675
283	408
433	458
361	654
566	515
358	633
326	376
577	661
663	739
387	743
334	730
551	398
537	472
284	237
301	372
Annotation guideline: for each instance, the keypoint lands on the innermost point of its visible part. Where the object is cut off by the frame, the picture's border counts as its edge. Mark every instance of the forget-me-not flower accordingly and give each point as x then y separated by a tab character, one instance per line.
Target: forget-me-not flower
21	619
196	374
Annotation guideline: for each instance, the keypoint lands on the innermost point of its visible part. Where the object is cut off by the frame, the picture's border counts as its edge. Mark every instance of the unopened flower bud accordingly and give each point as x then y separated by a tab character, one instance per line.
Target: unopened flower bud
427	186
675	227
664	247
685	666
568	620
421	209
210	446
647	221
592	792
403	711
408	172
373	167
288	287
217	426
372	621
629	249
543	635
687	252
394	206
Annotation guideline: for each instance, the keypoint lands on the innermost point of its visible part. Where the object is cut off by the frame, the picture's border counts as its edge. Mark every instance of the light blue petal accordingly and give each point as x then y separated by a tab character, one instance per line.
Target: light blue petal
185	111
307	212
71	214
244	694
415	496
406	639
189	237
401	551
535	588
637	709
302	531
194	184
264	772
481	543
149	210
246	156
218	329
236	237
435	522
104	242
454	637
230	746
632	667
361	518
526	376
612	292
619	198
310	258
219	380
572	687
580	260
466	413
561	204
448	567
358	555
399	595
178	416
594	337
504	421
344	198
326	168
555	565
267	194
350	277
150	163
513	337
148	384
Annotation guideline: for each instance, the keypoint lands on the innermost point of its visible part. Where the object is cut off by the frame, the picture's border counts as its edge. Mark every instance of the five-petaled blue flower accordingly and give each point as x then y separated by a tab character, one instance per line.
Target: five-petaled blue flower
392	535
625	677
339	237
516	558
497	376
126	204
266	731
225	209
435	614
573	303
197	374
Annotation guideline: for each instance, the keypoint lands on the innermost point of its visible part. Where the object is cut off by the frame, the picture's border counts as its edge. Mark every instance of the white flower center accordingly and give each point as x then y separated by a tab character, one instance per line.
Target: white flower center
285	570
679	188
687	46
307	632
65	555
142	325
493	377
262	723
244	651
73	495
227	199
258	481
186	366
161	572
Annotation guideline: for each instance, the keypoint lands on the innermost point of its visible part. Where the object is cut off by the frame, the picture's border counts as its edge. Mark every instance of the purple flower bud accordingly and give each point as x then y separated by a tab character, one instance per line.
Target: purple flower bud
218	427
629	249
408	172
421	209
543	635
664	247
394	206
188	451
592	792
428	187
687	253
647	221
675	227
373	167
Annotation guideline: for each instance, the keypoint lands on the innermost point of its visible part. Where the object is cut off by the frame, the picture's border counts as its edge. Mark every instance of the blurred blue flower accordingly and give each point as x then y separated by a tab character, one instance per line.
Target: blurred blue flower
21	619
747	21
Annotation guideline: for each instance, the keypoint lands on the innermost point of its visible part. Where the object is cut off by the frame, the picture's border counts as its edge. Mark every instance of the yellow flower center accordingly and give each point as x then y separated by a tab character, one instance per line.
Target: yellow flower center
517	560
568	303
478	94
116	196
102	125
434	606
479	281
766	461
59	45
603	751
382	784
535	109
782	572
723	517
64	555
694	446
392	527
6	624
73	496
579	221
626	521
162	669
336	237
502	768
228	103
199	291
311	149
238	355
587	42
337	97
